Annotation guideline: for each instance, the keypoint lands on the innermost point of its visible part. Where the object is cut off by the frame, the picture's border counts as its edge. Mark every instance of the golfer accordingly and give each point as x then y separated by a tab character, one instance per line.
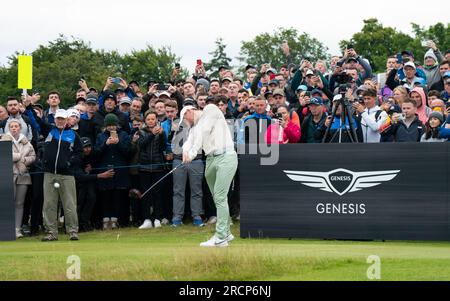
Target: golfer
209	131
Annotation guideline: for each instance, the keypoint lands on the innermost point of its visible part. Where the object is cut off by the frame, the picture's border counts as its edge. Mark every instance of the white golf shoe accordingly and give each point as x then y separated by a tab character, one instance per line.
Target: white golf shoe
146	225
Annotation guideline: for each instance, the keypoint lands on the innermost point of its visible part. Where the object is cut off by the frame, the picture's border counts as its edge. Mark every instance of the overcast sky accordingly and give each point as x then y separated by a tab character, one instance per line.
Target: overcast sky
191	27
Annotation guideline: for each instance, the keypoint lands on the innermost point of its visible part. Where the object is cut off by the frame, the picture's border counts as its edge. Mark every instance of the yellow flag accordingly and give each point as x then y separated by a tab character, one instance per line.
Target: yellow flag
25	74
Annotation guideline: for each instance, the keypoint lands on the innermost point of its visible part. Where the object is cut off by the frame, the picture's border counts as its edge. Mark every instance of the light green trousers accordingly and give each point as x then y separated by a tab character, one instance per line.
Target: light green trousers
219	173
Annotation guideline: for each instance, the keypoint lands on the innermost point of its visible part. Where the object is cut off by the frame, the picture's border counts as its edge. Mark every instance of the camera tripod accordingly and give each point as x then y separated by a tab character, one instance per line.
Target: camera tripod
345	114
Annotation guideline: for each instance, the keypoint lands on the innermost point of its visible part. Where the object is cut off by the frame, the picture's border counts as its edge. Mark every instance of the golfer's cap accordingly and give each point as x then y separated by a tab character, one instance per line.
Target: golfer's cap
184	110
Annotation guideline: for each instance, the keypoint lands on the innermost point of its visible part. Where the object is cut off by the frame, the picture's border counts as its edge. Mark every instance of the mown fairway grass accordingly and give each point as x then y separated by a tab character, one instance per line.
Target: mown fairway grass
174	254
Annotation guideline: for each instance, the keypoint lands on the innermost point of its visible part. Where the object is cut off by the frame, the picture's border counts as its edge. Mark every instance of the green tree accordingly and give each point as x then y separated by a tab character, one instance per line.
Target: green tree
377	42
60	65
219	58
266	48
143	65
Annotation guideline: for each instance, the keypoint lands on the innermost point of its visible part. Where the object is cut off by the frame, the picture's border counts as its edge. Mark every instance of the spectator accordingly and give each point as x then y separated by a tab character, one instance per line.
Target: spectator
86	181
62	155
372	116
255	126
23	157
313	121
13	109
109	107
432	127
418	96
340	130
283	131
408	81
406	127
432	59
193	171
214	87
152	145
53	100
160	110
3	113
400	94
87	126
445	95
113	149
444	70
124	105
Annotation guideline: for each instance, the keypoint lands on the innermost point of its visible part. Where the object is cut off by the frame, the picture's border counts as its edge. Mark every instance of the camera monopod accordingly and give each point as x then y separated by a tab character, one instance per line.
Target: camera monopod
165	176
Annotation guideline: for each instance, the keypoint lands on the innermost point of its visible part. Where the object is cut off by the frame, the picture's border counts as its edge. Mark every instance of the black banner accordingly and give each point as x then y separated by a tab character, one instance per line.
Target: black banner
7	217
348	191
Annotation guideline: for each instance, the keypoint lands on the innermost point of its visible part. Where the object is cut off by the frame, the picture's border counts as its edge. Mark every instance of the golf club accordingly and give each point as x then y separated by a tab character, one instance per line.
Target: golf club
151	187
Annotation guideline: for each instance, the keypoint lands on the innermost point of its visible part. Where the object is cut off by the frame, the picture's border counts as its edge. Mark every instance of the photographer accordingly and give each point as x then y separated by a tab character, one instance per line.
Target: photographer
372	117
339	130
351	60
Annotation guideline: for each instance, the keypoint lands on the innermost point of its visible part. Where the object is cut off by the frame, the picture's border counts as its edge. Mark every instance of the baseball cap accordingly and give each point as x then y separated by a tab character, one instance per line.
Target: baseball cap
410	64
109	94
394	109
249	67
80	99
446	74
274	82
73	112
302	88
271	70
278	92
61	113
316	91
309	72
407	52
267	93
165	93
134	82
86	141
317	101
91	98
125	99
223	67
351	59
184	110
228	79
38	105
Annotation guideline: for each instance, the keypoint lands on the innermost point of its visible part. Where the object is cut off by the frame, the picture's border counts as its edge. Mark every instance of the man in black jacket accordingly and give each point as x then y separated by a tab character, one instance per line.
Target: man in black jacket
62	155
110	106
406	127
86	185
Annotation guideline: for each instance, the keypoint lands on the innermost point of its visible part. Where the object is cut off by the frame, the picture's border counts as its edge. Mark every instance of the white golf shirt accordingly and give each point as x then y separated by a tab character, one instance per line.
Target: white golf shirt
211	133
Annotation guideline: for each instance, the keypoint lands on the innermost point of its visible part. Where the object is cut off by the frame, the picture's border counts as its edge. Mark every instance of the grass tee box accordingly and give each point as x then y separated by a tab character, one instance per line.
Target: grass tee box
174	254
394	191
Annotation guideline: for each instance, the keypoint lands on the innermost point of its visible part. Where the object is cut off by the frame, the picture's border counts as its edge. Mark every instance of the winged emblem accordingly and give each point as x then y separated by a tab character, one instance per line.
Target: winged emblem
341	181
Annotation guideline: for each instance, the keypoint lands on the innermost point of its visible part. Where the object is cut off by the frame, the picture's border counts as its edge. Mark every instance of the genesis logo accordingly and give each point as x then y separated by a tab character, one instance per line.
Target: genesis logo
341	181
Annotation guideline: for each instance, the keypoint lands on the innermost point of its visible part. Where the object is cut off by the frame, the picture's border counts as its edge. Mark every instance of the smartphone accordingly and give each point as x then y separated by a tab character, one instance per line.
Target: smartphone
399	58
199	62
447	104
113	134
424	43
116	80
162	87
177	66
